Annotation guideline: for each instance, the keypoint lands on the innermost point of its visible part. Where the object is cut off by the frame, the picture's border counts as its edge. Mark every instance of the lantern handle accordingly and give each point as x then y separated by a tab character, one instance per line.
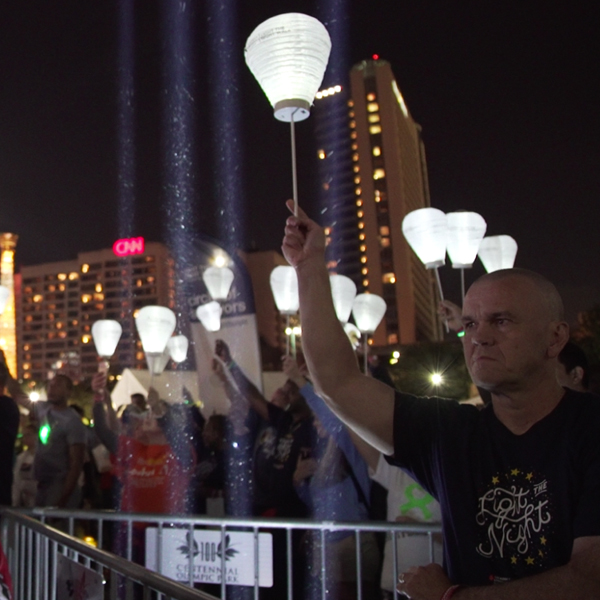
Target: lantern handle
439	283
294	170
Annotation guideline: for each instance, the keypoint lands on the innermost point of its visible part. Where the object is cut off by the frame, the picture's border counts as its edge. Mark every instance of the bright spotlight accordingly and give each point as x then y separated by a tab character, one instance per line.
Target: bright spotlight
34	396
436	378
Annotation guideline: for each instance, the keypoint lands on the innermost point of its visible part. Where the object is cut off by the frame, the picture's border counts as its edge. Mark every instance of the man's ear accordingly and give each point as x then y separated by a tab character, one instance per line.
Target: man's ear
577	374
559	336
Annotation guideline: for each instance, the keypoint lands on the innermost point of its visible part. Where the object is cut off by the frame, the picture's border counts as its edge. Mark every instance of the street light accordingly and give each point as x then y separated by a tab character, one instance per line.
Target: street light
288	54
368	310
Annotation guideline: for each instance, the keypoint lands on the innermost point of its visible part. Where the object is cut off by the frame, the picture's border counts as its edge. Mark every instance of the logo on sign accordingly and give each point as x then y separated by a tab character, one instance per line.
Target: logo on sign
125	247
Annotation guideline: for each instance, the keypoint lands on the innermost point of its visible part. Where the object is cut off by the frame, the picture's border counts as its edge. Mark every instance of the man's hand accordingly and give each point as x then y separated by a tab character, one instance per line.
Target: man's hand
305	468
303	238
424	583
451	314
99	383
293	372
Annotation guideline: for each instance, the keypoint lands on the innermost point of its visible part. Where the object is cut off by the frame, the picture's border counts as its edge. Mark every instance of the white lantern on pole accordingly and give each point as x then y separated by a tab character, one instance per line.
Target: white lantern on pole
284	285
209	315
465	232
426	231
155	325
288	54
106	334
178	348
498	252
343	291
368	310
218	281
4	296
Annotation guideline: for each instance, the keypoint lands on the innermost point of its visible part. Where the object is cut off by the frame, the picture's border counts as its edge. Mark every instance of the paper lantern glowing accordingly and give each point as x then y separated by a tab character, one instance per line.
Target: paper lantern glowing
284	285
106	334
497	252
288	54
155	325
465	232
178	348
368	310
218	281
343	291
209	315
425	230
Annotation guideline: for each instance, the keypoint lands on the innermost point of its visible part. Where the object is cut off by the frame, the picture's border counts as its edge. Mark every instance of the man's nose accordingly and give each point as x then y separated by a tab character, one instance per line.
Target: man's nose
482	336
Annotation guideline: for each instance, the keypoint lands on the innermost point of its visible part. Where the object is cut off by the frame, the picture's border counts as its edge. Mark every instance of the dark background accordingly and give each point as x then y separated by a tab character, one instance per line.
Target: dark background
506	94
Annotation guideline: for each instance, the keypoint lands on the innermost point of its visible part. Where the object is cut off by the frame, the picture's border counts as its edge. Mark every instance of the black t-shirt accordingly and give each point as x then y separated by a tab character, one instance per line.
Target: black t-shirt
511	504
276	453
9	427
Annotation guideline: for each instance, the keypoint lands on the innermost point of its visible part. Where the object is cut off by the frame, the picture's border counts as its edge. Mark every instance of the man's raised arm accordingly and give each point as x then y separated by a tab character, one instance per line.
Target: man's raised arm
363	403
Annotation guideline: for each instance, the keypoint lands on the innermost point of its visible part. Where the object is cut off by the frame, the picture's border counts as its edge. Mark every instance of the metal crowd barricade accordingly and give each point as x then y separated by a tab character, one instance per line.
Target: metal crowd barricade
18	528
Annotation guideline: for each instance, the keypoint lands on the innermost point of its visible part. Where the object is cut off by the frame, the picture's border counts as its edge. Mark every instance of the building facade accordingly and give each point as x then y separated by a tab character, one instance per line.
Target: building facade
373	172
57	303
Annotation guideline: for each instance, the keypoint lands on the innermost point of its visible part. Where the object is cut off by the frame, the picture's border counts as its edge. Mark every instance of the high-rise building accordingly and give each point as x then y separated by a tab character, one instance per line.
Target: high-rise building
58	303
374	172
8	335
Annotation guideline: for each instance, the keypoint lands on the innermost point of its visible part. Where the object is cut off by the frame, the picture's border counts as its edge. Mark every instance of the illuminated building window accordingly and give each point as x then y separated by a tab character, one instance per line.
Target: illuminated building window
371	97
325	186
359	202
376	151
354	147
385	242
136	312
62	287
356	169
62	334
353	135
150	279
363	248
355	157
86	298
139	356
98	287
372	106
26	347
377	198
73	276
26	366
374	119
350	103
28	319
366	282
379	174
352	124
74	322
85	268
360	214
384	230
361	225
321	154
61	276
139	283
363	259
357	191
389	278
375	129
38	298
51	288
86	338
364	270
361	236
357	179
392	338
351	114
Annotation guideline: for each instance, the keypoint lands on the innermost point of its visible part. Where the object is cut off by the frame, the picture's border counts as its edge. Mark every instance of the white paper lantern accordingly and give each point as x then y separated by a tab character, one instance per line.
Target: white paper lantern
155	325
343	290
368	310
425	229
4	296
218	281
158	362
288	55
178	348
106	334
284	285
465	232
209	315
498	252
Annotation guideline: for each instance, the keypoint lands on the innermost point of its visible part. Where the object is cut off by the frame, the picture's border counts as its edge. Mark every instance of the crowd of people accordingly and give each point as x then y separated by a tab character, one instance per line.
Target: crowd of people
514	482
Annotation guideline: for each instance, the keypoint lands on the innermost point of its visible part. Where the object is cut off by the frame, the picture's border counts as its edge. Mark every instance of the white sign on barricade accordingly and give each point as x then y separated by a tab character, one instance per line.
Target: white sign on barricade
73	580
206	547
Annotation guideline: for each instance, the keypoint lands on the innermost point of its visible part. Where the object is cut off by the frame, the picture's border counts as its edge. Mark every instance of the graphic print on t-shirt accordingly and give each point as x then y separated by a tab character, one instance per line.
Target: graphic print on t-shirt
515	520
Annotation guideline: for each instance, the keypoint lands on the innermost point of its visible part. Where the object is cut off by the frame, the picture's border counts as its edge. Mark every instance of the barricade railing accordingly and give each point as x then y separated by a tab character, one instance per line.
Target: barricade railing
209	547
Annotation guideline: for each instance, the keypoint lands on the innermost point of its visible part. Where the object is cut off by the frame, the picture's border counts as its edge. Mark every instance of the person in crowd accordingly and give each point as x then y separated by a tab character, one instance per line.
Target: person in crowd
60	453
9	429
24	486
573	368
334	483
6	586
518	480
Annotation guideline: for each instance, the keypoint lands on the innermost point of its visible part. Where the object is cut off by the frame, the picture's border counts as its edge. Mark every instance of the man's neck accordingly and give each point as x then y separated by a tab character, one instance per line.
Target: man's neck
519	410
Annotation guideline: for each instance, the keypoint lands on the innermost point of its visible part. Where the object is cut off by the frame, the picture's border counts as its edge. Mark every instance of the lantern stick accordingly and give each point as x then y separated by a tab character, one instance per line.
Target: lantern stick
439	283
366	352
462	284
294	170
287	335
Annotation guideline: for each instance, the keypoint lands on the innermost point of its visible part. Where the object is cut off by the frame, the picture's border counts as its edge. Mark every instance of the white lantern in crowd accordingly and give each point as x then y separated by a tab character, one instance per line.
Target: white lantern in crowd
425	229
209	315
498	252
218	281
288	54
343	291
4	296
284	285
155	325
368	310
106	334
178	348
465	232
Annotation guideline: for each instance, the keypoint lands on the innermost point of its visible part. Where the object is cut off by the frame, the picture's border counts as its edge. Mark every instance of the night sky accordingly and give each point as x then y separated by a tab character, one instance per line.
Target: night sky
507	95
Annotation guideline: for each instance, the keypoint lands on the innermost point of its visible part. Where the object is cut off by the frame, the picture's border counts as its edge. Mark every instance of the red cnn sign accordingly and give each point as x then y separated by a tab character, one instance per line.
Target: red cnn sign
129	246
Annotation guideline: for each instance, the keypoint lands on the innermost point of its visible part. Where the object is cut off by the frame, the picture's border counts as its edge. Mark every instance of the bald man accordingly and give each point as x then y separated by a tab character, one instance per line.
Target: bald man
518	482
